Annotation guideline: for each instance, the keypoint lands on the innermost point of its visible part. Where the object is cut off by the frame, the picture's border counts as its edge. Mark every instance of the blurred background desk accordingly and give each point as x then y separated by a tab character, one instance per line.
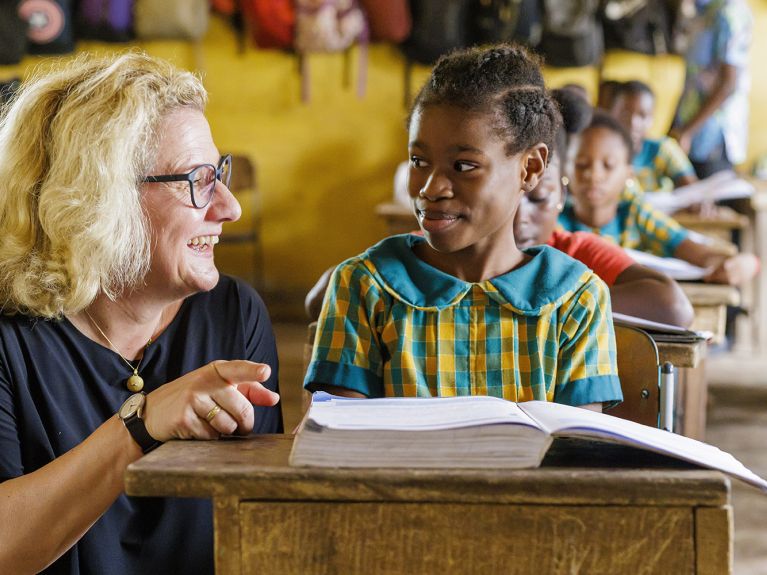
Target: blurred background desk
592	508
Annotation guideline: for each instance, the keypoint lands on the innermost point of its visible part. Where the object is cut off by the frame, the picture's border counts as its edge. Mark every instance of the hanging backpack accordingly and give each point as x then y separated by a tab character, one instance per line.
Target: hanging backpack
330	26
106	20
171	19
439	26
13	34
389	20
50	26
643	26
495	21
572	33
272	23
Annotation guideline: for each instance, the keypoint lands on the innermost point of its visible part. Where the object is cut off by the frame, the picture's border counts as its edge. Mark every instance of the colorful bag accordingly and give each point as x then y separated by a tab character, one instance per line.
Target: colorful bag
13	34
272	22
50	26
171	19
330	26
107	20
389	20
439	26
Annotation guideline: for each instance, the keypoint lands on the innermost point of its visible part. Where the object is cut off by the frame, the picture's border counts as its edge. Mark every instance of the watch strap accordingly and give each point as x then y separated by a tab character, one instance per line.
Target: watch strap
135	426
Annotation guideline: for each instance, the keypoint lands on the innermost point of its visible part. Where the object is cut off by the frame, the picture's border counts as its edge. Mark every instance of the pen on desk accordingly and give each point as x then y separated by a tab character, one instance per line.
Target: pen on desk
667	396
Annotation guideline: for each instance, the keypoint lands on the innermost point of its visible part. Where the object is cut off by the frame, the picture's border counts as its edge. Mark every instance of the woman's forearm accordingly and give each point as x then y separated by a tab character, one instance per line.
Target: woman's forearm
47	511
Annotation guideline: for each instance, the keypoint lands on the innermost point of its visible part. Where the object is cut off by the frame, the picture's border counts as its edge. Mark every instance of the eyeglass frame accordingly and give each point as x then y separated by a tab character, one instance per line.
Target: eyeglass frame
188	177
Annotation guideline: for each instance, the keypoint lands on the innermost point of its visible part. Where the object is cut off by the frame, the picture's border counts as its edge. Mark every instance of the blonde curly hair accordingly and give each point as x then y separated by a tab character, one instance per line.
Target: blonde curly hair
75	144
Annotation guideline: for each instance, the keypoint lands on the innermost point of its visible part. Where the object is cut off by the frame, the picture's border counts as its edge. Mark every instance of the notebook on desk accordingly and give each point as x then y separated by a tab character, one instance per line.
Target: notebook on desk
662	332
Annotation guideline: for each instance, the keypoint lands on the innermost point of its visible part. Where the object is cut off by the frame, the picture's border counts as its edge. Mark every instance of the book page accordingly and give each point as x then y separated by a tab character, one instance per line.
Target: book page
654	327
565	420
674	268
723	185
421	413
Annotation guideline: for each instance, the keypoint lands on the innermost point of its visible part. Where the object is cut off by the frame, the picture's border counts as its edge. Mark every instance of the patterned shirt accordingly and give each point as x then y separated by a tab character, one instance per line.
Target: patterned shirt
660	164
392	325
722	35
636	225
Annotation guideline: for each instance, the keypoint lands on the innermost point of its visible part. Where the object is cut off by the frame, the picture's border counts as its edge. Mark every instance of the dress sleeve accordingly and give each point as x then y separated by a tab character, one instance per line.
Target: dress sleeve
347	349
660	234
587	369
672	162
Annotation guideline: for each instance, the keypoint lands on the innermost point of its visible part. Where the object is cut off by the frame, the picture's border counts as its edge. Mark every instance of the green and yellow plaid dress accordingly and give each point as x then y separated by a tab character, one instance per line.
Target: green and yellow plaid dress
392	325
637	225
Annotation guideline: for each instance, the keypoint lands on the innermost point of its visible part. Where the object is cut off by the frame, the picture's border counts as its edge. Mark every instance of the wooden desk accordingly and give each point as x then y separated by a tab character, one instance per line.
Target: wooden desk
710	303
720	227
637	517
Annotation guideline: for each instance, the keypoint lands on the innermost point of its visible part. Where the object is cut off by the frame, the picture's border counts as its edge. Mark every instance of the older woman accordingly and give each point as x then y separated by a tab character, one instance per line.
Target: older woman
118	332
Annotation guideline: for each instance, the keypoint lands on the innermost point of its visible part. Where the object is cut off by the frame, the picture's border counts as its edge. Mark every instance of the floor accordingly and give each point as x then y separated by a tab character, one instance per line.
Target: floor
737	423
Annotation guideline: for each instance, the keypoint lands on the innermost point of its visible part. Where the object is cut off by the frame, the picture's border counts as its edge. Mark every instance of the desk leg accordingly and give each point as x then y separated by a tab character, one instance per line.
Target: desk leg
713	540
226	535
691	399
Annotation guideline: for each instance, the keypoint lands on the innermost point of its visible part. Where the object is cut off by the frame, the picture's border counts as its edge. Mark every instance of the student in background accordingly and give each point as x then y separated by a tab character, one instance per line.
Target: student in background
659	164
602	166
711	122
462	310
606	94
634	289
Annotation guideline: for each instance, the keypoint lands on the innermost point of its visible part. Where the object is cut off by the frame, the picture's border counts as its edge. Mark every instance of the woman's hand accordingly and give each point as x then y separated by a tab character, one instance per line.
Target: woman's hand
735	270
186	407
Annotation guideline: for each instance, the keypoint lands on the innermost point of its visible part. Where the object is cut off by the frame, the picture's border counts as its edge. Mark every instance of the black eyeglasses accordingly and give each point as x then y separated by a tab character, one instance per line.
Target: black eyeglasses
202	180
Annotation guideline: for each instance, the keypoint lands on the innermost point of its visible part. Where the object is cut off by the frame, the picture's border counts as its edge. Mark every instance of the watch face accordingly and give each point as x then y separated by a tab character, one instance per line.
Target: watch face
131	405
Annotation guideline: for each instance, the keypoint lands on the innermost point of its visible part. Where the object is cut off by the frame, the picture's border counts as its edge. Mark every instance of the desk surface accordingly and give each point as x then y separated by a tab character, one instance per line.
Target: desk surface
574	472
682	354
607	510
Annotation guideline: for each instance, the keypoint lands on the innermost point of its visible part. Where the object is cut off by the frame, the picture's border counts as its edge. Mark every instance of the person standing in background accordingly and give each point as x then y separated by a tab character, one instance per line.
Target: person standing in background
711	122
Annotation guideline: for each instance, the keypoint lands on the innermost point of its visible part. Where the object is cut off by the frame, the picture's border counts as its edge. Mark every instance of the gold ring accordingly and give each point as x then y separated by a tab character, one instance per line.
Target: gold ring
213	412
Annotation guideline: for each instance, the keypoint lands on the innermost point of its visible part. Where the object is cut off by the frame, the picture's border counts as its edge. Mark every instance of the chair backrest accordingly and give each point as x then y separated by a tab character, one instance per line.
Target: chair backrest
241	240
639	372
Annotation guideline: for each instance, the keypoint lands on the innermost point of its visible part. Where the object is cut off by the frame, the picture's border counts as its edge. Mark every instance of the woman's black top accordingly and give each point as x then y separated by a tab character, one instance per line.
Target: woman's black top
57	386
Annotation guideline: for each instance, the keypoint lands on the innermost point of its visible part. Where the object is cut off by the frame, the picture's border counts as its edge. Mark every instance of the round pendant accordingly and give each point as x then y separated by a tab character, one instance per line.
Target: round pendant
135	383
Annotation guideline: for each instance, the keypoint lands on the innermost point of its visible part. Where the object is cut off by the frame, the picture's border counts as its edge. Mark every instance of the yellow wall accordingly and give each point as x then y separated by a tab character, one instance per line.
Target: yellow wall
323	166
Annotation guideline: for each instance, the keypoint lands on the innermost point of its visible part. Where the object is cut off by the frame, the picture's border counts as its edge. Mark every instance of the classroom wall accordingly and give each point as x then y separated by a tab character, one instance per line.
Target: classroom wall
324	165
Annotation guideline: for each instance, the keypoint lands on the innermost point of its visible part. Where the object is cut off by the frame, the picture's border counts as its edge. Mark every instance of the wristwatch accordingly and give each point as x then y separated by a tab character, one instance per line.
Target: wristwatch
130	413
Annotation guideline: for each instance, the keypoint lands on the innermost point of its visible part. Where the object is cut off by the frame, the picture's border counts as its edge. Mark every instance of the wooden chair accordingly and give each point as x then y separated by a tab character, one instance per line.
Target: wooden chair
644	399
241	240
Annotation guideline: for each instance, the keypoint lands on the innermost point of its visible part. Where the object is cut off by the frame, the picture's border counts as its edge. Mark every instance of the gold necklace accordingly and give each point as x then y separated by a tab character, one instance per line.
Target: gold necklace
135	382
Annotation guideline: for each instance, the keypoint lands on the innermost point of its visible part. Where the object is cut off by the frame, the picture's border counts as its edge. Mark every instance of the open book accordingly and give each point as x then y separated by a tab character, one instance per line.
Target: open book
662	331
674	268
724	185
474	432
